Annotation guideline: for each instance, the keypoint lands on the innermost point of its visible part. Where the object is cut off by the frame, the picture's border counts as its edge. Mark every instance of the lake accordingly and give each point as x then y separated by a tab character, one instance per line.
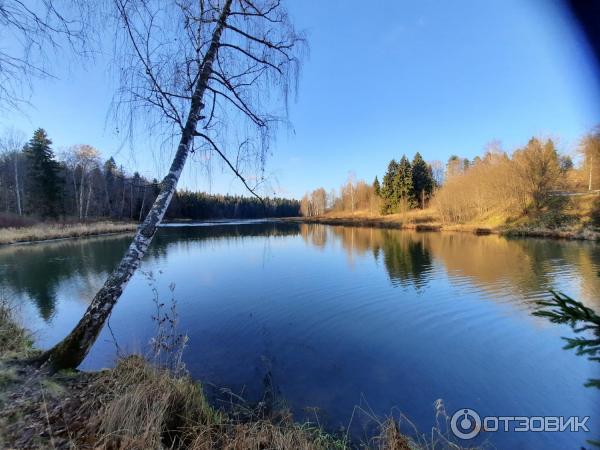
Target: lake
337	317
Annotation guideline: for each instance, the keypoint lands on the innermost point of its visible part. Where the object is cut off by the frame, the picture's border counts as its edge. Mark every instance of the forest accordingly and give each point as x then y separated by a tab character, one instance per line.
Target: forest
35	185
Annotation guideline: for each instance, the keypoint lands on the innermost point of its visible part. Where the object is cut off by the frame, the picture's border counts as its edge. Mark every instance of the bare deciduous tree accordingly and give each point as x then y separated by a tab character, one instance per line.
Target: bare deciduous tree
590	149
500	186
82	159
204	69
32	32
11	144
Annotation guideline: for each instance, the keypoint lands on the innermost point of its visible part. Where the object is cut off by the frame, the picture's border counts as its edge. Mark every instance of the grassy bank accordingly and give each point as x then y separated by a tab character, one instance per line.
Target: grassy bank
416	219
137	405
46	231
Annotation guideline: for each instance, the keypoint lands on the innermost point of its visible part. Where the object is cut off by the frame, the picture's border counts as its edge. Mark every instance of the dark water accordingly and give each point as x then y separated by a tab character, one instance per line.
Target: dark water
341	316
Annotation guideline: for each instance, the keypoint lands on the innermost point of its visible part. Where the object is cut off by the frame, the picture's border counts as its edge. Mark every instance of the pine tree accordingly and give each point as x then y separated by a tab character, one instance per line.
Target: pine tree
376	186
422	179
44	183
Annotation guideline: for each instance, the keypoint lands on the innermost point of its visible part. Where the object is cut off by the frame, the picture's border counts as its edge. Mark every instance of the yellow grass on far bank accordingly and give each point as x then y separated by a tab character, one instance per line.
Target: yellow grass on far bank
42	231
577	217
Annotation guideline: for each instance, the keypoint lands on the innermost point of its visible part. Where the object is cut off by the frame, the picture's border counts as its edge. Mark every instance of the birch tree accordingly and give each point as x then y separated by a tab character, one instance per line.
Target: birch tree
11	144
82	160
206	70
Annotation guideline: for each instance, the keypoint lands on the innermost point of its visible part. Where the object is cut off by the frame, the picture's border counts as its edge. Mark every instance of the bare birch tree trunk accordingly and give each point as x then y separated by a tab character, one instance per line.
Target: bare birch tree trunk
71	351
143	203
75	191
131	200
17	187
590	180
81	191
122	200
87	202
108	202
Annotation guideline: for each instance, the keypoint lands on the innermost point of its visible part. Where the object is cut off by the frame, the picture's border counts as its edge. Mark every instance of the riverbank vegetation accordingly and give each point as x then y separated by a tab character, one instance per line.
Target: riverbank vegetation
533	190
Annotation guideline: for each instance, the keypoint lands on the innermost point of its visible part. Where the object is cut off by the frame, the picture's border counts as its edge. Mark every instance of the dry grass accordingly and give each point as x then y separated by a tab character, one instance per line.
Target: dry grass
263	434
412	216
415	219
42	232
146	407
390	438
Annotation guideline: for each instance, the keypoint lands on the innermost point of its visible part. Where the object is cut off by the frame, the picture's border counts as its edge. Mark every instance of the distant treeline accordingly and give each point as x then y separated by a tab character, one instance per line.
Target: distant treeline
35	183
533	180
199	206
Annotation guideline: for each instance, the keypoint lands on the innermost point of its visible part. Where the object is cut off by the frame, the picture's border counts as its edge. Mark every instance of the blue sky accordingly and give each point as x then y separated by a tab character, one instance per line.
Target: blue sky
383	78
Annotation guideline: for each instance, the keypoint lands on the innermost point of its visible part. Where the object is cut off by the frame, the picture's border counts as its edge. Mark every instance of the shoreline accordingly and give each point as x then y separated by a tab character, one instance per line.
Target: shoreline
51	233
479	230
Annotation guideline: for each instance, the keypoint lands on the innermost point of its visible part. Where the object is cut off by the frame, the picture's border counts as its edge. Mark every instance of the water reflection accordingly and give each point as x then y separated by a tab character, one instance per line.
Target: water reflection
37	270
526	267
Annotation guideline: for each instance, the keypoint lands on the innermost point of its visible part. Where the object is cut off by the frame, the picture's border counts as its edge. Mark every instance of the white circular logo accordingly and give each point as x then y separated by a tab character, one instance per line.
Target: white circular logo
465	423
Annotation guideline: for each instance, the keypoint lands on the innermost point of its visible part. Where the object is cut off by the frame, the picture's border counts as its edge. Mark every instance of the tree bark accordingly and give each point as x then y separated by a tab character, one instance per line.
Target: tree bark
71	351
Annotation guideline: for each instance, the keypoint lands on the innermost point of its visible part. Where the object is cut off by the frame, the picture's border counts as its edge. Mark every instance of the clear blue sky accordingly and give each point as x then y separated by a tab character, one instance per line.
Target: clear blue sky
383	78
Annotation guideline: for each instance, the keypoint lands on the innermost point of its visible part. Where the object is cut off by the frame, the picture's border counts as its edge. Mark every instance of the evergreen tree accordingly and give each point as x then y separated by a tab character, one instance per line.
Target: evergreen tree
376	186
422	179
404	182
110	187
389	193
44	183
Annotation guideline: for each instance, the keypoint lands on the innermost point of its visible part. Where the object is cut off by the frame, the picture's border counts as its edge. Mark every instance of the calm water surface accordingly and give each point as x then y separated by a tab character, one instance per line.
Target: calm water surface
340	316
